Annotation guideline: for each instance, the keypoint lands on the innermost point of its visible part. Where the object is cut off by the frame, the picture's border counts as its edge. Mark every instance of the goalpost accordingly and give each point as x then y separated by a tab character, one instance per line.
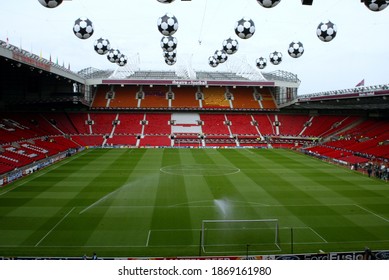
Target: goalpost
240	236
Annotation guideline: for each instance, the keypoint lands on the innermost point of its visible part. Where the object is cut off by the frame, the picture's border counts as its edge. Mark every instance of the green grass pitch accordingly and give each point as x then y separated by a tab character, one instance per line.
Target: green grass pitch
151	202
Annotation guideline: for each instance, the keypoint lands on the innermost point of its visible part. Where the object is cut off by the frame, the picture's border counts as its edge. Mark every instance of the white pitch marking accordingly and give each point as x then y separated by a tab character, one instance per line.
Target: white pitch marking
368	211
321	237
53	228
148	238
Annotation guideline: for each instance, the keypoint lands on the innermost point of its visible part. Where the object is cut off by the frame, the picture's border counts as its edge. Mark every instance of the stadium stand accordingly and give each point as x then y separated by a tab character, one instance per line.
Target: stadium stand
185	97
184	109
154	97
215	97
124	97
164	141
349	139
120	140
89	141
265	124
157	124
244	98
214	124
101	97
242	124
61	122
80	122
102	123
129	124
320	125
265	98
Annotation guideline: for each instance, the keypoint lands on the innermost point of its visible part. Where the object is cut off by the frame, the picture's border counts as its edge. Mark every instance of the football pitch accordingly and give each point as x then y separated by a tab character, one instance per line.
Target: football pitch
191	202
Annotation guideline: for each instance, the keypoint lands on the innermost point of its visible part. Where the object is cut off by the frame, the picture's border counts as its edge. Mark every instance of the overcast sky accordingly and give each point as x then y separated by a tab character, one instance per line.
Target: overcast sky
359	51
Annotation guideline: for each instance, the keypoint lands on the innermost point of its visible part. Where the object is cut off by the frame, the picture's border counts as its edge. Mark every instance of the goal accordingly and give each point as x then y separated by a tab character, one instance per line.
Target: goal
240	236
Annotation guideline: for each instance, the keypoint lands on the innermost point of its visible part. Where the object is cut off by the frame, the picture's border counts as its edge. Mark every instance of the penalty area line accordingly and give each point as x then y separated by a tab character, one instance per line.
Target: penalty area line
372	213
315	232
53	228
148	238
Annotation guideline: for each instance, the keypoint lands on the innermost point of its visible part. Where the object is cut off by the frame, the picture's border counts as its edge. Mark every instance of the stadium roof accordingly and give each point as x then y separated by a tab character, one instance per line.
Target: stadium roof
240	71
143	77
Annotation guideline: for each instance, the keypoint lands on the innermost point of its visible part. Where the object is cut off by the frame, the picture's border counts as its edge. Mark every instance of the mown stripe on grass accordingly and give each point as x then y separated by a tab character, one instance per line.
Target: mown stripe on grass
285	190
85	193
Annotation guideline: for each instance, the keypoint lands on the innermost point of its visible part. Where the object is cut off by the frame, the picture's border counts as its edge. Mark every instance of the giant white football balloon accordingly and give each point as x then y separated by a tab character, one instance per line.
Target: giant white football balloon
50	3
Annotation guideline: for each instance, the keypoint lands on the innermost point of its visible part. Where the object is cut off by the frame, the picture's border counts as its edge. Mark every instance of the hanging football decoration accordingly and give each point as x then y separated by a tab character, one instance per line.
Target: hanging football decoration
230	46
122	60
83	28
326	31
296	49
268	3
113	55
212	62
102	46
376	5
275	58
220	56
245	28
168	43
261	62
171	62
167	24
50	3
170	55
165	1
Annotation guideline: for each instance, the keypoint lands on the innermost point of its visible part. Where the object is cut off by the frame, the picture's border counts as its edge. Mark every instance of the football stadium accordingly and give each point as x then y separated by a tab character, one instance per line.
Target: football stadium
236	163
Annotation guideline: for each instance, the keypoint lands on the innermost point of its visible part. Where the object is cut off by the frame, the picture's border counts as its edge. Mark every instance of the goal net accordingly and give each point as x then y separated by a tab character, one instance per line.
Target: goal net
240	236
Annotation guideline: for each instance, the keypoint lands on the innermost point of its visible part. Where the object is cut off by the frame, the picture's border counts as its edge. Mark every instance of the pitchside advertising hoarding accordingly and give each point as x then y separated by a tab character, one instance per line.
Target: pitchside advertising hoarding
347	256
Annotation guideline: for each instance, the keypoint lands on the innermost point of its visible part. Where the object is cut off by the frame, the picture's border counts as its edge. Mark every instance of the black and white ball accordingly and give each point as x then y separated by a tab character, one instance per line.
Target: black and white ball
296	49
275	58
167	24
220	56
326	31
261	62
245	28
376	5
50	3
102	46
165	1
230	46
168	43
83	28
268	3
171	62
170	55
113	55
122	60
212	62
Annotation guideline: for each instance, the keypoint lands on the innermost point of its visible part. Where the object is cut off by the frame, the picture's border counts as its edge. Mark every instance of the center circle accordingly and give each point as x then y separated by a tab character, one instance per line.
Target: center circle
200	170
